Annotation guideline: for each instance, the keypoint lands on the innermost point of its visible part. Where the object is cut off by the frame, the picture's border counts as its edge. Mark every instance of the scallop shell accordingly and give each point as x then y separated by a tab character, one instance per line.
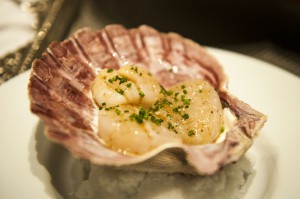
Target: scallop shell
59	91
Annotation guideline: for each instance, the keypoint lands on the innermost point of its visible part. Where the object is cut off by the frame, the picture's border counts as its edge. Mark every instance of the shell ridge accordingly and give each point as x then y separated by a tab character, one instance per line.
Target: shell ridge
67	98
122	44
154	52
83	54
136	39
96	50
78	66
109	43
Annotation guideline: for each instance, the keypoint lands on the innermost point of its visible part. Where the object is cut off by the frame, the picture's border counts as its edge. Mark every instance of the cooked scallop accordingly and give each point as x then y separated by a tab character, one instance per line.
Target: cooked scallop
193	109
189	113
125	129
77	77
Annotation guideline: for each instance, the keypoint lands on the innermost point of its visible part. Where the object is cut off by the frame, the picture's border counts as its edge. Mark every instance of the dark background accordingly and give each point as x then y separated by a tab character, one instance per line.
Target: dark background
266	29
213	22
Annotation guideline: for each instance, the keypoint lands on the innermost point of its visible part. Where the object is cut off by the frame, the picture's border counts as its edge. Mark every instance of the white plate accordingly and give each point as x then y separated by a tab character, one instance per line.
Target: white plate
17	27
25	171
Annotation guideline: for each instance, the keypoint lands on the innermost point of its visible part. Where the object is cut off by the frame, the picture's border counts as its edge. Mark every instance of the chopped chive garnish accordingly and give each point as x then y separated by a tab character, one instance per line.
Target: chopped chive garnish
128	85
142	94
165	101
110	70
156	121
187	101
169	93
182	98
157	106
120	91
222	129
183	86
117	111
122	80
134	68
164	91
137	118
176	110
169	115
185	116
116	78
143	113
113	79
170	126
191	133
103	104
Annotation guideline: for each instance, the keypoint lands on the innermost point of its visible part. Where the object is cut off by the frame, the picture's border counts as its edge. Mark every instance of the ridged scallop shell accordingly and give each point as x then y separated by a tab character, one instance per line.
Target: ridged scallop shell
59	91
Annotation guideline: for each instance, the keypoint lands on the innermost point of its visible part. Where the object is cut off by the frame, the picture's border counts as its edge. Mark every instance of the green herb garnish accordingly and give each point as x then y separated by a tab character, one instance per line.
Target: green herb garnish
176	109
117	111
120	91
185	116
165	101
222	129
156	121
134	68
164	91
137	118
143	113
116	78
122	80
191	133
170	126
113	79
142	94
110	70
128	85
